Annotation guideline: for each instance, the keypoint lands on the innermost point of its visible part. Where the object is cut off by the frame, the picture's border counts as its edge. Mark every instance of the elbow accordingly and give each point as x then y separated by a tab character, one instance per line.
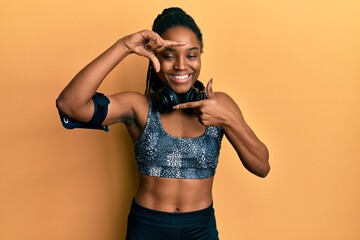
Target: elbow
263	167
65	107
264	171
59	104
71	109
260	169
62	106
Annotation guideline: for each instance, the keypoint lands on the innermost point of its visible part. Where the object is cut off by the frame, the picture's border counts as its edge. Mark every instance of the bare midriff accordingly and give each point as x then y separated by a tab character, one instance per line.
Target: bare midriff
174	194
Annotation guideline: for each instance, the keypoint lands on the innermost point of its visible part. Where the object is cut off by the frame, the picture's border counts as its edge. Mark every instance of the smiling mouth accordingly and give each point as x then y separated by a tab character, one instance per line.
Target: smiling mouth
181	78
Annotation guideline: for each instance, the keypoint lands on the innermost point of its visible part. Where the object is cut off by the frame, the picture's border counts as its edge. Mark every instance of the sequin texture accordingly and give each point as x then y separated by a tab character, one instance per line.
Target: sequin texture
159	154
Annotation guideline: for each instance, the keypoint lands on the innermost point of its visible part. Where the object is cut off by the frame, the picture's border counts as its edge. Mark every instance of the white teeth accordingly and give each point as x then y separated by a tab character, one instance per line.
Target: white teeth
181	77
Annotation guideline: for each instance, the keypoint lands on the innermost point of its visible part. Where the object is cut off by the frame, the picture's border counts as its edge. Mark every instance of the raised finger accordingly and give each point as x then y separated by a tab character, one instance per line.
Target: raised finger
195	104
209	89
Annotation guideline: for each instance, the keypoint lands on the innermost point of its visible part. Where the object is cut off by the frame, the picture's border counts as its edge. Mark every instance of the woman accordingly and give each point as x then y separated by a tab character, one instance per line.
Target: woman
176	127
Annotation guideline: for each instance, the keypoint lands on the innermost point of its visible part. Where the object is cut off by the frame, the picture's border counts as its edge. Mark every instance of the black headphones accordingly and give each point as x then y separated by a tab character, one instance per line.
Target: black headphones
164	98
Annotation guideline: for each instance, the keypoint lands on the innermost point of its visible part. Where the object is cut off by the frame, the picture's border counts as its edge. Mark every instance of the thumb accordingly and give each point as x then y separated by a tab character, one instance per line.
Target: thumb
209	89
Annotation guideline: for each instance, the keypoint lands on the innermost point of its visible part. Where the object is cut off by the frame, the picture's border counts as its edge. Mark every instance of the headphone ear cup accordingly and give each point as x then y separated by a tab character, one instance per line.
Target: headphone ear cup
191	95
202	96
164	100
195	94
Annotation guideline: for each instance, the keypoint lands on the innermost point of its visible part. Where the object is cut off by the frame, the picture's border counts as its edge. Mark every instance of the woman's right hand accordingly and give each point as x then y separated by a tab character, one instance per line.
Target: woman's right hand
147	43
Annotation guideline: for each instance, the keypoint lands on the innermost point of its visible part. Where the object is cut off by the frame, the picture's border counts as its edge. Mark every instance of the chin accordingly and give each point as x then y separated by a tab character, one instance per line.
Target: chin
182	89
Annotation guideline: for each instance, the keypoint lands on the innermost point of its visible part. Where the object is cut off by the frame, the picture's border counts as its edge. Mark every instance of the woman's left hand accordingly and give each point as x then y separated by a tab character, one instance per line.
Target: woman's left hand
212	111
221	110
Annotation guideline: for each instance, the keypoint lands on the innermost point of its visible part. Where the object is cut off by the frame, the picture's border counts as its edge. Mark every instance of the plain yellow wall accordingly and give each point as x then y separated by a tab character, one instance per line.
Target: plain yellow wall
293	67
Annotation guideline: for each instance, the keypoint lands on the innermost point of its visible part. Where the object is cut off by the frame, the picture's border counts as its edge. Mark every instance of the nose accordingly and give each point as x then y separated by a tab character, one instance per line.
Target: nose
180	64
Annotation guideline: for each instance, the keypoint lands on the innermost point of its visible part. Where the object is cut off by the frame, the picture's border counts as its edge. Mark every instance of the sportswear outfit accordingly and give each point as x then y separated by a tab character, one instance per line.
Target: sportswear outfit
159	154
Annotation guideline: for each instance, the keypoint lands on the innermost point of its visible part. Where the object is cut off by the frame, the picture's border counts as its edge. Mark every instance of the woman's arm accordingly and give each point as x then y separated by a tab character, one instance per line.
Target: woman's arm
75	100
252	152
221	110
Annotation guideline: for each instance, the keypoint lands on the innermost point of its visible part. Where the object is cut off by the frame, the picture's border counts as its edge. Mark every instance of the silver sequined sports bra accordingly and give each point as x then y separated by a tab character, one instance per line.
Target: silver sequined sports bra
159	154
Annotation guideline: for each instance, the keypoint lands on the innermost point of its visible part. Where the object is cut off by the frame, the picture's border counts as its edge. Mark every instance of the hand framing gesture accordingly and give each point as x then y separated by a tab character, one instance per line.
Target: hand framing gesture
147	43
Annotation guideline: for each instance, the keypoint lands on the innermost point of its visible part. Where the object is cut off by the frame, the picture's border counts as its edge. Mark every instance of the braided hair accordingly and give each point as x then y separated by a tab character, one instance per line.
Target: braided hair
169	18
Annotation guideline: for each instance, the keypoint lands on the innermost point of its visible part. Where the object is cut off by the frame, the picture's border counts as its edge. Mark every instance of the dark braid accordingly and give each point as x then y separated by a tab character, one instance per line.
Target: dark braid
169	18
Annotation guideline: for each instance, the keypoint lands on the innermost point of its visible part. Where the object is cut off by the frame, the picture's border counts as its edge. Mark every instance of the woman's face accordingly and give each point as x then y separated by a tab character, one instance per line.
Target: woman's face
180	66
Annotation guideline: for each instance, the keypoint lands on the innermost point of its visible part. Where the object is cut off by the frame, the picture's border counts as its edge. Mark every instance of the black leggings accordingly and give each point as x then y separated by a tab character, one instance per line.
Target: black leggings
148	224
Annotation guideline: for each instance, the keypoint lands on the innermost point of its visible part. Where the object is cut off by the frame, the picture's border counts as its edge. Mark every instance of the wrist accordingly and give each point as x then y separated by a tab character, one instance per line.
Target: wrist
122	43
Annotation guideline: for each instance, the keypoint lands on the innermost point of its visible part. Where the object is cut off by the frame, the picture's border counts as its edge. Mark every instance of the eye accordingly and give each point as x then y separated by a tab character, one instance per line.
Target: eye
192	56
167	56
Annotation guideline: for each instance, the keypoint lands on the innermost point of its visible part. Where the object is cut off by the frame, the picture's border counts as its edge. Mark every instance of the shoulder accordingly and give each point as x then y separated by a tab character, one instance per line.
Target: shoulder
223	96
226	100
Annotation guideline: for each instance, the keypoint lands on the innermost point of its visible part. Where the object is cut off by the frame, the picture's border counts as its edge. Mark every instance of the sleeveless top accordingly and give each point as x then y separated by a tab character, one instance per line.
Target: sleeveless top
159	154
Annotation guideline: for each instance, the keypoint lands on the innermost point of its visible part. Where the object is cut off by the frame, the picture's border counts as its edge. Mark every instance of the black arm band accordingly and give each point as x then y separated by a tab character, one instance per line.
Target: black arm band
101	103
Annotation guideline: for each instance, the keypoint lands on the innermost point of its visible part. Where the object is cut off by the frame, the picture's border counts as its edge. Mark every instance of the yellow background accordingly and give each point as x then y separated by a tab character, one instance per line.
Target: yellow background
293	67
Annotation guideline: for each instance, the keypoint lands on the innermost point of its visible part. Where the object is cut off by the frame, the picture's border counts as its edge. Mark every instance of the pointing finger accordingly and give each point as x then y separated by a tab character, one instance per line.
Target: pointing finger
195	104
